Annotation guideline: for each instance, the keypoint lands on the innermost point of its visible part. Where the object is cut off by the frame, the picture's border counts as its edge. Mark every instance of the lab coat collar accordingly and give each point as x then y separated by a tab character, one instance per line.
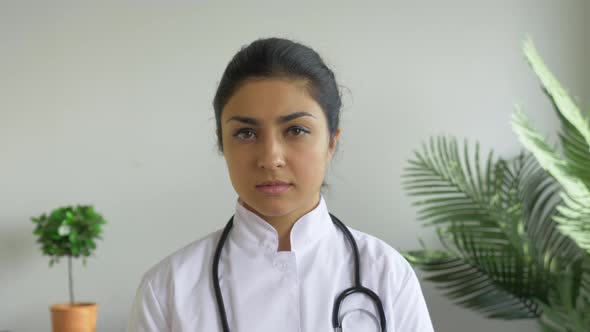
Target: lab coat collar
254	232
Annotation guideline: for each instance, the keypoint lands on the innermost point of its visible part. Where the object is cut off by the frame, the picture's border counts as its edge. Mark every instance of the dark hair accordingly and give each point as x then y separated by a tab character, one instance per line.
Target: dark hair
279	58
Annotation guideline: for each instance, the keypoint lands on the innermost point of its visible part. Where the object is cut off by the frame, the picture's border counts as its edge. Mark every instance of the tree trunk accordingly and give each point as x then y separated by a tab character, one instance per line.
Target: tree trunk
71	280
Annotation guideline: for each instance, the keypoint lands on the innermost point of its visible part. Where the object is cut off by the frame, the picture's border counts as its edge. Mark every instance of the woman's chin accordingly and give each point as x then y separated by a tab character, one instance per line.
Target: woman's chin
265	207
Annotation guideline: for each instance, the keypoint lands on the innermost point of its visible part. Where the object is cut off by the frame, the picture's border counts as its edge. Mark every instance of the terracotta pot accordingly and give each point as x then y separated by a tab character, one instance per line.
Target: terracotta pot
79	317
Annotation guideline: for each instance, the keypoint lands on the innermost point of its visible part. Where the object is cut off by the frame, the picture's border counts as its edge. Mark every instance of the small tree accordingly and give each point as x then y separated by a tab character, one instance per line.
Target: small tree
68	231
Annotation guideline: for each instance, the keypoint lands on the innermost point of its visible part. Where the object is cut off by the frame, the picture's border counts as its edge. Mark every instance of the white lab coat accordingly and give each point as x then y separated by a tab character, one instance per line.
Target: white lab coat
288	291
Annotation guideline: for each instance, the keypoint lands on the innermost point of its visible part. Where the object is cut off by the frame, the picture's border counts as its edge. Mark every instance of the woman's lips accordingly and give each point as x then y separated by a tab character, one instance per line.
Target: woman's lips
274	189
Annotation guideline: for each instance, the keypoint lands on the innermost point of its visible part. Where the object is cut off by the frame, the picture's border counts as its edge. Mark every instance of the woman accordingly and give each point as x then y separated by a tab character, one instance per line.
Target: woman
283	259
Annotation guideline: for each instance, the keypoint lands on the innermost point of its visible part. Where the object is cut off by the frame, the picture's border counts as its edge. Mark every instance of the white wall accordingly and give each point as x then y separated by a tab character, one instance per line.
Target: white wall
110	104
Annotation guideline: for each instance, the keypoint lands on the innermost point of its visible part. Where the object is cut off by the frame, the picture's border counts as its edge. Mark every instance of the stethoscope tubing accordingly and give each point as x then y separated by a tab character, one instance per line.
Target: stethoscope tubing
357	288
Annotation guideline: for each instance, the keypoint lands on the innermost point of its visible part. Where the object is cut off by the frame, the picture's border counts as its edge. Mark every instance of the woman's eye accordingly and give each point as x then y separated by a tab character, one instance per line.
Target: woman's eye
244	134
249	134
298	131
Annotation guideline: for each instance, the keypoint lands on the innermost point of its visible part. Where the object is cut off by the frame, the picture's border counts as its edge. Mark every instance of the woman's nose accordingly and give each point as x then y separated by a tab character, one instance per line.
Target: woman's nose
270	154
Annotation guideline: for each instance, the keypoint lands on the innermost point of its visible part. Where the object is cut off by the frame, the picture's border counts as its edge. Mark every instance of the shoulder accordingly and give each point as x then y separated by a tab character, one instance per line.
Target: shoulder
382	258
378	251
391	273
151	310
187	261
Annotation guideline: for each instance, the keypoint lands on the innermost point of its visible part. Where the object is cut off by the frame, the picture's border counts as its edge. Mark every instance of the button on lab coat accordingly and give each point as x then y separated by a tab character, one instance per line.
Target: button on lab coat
265	290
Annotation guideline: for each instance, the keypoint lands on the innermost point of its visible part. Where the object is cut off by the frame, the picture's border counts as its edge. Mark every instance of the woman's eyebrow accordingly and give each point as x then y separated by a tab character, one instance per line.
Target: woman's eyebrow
280	119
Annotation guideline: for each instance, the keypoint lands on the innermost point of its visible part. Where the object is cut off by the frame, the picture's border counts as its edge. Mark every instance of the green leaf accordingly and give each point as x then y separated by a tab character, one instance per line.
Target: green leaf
68	231
569	307
73	237
470	285
575	221
576	150
560	97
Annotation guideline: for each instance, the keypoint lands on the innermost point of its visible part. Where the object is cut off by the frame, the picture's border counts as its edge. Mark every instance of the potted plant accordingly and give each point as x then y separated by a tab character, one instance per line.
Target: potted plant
70	231
515	231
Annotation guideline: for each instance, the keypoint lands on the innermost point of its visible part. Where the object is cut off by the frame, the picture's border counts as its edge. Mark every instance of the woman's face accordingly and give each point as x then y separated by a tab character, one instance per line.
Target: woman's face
273	131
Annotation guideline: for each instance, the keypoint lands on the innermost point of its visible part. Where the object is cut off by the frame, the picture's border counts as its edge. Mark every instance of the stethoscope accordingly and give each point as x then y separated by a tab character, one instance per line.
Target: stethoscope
357	288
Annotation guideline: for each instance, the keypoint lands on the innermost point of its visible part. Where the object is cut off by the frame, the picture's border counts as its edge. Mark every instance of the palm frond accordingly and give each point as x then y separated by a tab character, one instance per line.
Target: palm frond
575	212
469	283
567	318
568	309
575	220
485	219
548	156
444	176
539	195
576	150
561	98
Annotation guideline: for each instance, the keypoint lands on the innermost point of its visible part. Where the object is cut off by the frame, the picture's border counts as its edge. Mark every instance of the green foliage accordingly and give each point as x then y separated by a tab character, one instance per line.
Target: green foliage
68	231
573	169
516	232
496	222
569	306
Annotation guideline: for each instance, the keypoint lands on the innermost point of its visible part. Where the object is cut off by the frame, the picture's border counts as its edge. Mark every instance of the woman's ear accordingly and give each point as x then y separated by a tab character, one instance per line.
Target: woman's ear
219	140
333	143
